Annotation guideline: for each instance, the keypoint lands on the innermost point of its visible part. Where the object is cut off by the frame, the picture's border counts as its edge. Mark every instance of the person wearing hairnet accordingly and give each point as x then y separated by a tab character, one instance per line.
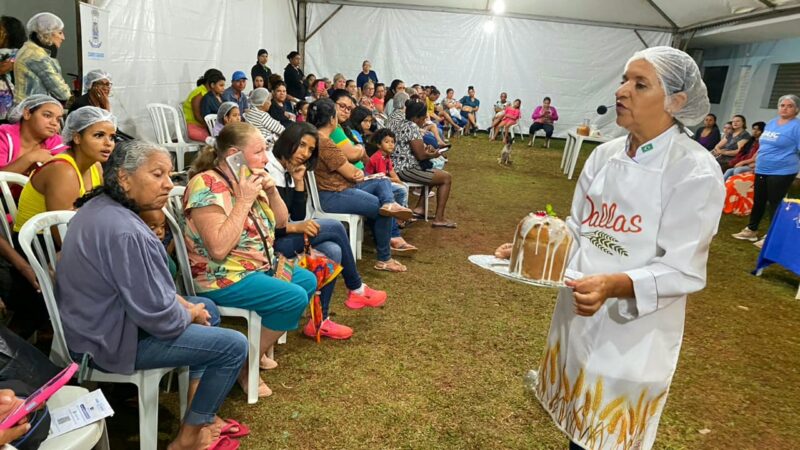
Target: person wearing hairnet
55	186
643	215
228	112
31	137
36	70
96	90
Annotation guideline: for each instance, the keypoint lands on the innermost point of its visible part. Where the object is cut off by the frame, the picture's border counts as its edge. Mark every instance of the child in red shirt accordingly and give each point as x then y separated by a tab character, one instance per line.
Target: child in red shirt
380	164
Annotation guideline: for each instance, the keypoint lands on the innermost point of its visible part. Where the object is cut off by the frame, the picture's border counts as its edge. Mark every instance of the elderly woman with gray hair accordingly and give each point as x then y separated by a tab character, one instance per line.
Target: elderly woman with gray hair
258	115
777	163
139	321
643	215
36	70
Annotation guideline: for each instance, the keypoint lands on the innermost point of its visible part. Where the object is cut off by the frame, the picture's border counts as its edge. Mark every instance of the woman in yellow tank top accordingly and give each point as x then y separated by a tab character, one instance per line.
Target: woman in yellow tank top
90	132
195	122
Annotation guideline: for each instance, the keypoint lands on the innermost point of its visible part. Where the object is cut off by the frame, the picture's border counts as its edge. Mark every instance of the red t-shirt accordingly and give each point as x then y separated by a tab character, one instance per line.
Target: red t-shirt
379	163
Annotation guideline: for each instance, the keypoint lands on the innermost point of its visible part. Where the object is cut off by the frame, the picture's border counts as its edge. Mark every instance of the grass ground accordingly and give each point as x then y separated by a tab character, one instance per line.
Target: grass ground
441	366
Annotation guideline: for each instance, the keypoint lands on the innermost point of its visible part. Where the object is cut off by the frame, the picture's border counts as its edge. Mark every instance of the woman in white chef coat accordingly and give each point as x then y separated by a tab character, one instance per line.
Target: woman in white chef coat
644	211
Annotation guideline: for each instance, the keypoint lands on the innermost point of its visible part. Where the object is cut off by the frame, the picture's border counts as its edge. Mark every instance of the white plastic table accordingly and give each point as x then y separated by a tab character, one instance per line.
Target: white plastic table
573	148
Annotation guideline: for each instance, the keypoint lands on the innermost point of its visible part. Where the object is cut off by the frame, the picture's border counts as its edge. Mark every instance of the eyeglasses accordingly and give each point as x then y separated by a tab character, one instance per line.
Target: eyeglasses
344	107
103	83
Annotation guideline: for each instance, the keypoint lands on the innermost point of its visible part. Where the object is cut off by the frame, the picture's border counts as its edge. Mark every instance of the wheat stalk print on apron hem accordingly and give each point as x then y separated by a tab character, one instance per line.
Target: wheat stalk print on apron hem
604	379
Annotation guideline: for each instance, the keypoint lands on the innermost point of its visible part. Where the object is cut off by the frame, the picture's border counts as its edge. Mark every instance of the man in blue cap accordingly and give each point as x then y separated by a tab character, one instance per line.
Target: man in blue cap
235	93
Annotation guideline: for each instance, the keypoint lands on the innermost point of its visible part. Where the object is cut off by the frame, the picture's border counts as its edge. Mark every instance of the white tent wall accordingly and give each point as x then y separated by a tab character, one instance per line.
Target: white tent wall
762	57
579	66
159	48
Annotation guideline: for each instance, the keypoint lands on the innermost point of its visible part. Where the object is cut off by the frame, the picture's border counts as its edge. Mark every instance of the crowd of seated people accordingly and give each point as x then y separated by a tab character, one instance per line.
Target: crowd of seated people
239	228
363	140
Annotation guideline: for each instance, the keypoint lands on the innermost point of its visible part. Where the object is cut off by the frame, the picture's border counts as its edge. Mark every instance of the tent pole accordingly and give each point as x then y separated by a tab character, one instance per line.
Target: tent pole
635	31
319	27
481	12
301	22
663	14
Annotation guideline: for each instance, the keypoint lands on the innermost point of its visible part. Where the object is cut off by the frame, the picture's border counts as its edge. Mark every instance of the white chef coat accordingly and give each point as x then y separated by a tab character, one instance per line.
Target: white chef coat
604	379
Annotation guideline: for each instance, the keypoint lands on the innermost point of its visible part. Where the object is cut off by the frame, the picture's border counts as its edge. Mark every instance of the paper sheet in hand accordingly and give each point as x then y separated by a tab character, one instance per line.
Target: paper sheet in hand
87	409
500	267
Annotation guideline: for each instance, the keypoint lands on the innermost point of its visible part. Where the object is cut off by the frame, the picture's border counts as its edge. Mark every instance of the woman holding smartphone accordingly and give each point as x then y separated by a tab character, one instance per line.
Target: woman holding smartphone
231	225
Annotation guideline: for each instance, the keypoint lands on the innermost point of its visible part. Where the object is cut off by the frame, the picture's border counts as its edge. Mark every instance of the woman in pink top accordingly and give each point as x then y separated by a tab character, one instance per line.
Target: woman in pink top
543	118
511	116
32	136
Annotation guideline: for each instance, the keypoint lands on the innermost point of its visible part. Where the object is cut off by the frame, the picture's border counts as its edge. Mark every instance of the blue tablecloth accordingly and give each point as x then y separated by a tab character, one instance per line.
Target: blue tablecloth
782	245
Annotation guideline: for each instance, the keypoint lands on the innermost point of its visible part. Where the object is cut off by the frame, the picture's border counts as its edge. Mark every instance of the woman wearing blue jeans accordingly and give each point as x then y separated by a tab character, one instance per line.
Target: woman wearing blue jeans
113	266
294	151
343	188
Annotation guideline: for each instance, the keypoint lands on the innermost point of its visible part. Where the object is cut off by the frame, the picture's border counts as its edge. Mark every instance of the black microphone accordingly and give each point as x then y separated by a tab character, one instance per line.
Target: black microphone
603	109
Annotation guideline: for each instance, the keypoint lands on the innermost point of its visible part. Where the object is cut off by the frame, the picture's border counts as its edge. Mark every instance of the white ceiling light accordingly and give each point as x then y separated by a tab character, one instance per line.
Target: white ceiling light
488	26
499	7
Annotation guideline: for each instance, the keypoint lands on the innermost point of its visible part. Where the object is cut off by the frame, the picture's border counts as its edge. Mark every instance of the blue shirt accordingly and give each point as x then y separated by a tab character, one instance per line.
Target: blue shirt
362	78
466	101
243	101
779	149
111	281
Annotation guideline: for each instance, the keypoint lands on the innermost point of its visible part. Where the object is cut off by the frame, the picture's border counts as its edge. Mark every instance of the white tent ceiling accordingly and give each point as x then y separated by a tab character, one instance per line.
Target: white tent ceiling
681	16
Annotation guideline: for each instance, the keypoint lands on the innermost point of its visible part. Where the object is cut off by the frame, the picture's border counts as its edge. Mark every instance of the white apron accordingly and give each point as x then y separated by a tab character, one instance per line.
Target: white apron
604	379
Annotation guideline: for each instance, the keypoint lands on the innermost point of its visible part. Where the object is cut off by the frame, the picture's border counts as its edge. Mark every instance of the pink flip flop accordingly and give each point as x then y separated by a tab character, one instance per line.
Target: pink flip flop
243	431
224	443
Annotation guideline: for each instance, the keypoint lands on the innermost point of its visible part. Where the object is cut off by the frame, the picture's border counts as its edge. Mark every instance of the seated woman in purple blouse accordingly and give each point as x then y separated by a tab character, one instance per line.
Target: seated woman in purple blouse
708	135
118	302
544	116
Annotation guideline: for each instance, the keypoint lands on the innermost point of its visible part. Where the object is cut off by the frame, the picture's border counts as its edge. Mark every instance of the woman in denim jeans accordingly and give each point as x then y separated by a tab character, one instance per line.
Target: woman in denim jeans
113	266
293	153
343	188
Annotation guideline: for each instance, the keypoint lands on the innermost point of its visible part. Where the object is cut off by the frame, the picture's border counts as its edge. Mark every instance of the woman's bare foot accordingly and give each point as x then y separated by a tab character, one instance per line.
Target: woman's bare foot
192	437
267	363
399	244
263	389
504	251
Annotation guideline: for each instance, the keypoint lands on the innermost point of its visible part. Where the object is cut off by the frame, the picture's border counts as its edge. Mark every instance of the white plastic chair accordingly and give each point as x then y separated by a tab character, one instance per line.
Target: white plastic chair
94	435
211	121
534	136
8	206
42	260
174	213
518	129
355	223
425	190
168	129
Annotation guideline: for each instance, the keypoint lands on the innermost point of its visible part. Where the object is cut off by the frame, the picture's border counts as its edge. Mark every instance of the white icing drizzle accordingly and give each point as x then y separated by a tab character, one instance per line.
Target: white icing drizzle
556	236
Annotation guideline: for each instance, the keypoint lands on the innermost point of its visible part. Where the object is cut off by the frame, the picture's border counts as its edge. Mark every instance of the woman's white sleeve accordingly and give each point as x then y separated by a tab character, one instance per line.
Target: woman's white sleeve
688	222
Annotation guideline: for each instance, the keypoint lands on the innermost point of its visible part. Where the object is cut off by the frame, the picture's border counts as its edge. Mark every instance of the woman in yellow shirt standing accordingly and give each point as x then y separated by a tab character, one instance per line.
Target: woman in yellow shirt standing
55	186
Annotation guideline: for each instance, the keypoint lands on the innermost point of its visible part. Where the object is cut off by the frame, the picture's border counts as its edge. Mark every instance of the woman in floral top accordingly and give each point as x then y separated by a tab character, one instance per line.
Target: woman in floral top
230	228
411	159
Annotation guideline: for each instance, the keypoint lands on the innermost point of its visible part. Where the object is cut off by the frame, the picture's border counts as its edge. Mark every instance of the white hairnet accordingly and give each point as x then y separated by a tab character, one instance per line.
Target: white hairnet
94	76
32	102
44	23
83	118
678	72
260	96
224	109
